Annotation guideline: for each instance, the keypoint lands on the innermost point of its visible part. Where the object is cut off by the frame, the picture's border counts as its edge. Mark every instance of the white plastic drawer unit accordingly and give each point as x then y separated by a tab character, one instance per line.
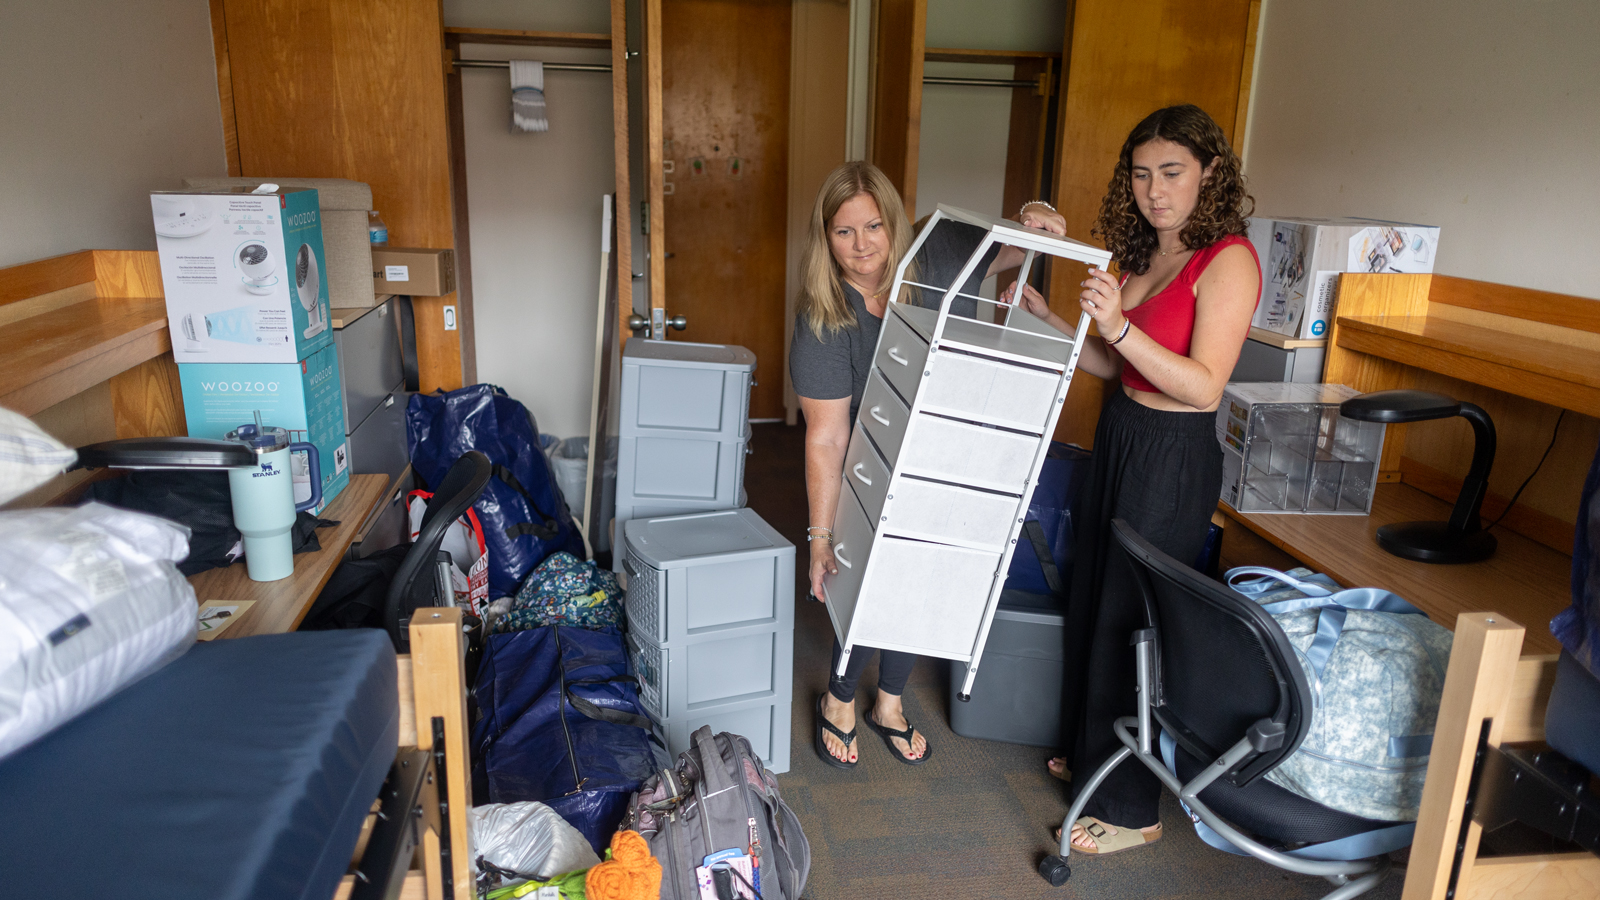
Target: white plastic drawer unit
954	425
701	684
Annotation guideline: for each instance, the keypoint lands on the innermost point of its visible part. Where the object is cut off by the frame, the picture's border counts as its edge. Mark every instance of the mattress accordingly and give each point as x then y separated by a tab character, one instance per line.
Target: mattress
242	770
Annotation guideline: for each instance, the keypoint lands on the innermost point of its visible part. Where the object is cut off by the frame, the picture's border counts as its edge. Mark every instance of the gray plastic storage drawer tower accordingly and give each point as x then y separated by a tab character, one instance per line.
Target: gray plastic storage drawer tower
684	428
710	607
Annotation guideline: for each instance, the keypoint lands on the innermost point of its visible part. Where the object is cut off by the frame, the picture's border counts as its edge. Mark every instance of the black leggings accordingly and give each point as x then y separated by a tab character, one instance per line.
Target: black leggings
894	668
1161	472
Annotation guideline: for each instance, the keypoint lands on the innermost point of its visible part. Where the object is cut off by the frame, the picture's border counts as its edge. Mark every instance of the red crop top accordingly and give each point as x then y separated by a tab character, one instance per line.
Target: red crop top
1168	317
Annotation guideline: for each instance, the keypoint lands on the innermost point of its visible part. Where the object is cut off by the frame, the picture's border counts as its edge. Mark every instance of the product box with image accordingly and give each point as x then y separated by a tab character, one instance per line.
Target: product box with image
244	273
1301	260
303	397
1285	448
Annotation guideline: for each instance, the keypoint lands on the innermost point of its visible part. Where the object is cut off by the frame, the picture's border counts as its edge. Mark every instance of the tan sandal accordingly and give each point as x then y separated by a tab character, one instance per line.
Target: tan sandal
1106	843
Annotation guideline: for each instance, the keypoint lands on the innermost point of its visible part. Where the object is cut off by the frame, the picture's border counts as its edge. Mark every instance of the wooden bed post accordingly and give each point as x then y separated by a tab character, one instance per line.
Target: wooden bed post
438	654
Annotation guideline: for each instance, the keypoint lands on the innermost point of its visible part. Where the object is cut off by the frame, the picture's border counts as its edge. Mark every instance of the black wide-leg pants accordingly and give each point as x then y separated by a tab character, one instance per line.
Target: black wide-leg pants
1161	472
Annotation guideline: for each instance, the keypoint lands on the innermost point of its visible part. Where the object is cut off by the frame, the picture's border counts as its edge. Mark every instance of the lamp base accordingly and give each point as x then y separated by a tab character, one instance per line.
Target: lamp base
1434	542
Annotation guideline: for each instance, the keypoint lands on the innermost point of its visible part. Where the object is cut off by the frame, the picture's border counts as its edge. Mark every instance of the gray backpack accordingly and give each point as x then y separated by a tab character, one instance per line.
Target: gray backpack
720	797
1376	667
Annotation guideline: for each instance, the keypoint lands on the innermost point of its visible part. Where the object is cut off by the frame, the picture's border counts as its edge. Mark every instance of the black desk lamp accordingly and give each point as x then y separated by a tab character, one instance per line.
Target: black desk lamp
1463	538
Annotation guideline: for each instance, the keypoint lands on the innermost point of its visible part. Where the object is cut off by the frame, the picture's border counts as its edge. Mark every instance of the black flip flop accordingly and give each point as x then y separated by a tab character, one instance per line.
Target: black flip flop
846	737
888	735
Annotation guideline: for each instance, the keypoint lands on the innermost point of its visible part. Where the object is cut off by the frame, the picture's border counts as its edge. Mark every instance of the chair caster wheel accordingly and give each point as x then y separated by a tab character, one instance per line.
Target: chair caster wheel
1055	870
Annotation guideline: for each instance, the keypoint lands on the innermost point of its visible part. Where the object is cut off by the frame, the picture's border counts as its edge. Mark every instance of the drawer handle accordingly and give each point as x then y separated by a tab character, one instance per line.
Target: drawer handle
838	553
857	472
894	354
873	412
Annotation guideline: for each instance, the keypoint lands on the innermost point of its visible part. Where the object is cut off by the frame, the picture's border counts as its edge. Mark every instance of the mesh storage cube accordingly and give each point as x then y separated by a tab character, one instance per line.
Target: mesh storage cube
1287	449
954	426
710	607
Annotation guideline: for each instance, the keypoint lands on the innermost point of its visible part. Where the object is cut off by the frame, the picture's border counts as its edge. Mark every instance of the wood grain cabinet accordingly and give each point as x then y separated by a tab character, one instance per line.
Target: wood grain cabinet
953	428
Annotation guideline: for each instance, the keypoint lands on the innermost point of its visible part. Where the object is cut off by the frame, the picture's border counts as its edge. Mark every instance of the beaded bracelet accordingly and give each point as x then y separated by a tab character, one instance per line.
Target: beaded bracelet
826	535
1034	203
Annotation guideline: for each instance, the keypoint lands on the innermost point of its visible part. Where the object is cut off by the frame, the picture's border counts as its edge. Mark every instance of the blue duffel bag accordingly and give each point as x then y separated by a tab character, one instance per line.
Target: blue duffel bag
562	724
1042	562
523	515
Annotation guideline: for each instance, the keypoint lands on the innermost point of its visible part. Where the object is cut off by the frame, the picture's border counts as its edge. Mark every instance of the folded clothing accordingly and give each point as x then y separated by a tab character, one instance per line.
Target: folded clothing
91	602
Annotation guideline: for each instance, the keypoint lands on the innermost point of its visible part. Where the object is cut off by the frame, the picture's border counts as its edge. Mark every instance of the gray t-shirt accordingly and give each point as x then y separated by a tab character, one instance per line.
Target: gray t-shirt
836	366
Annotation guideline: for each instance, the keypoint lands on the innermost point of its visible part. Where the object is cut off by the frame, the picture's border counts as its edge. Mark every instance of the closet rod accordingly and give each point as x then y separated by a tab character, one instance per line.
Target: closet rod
506	64
601	67
980	82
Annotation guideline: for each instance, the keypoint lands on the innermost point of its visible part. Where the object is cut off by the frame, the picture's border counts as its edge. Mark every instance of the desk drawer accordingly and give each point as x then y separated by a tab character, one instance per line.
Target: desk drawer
884	416
902	355
866	473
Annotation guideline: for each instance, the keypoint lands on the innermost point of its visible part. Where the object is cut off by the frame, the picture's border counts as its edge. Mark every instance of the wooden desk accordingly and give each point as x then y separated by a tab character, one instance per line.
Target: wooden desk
280	605
1524	580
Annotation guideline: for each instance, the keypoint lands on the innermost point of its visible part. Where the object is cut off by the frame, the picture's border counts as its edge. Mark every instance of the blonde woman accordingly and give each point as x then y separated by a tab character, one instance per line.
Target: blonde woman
859	233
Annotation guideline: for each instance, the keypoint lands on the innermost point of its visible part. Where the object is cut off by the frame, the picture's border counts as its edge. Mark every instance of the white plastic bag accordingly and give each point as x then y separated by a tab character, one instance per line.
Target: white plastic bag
90	601
463	540
529	838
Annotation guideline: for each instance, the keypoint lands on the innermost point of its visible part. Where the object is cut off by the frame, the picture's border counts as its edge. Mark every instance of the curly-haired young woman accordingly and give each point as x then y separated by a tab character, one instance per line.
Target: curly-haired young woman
1171	330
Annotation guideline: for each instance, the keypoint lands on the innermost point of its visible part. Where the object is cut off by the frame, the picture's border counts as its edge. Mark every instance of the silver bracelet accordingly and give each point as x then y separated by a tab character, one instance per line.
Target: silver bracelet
819	537
1032	203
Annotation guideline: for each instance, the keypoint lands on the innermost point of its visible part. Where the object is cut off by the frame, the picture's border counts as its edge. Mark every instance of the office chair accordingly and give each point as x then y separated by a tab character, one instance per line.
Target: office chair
1219	680
423	578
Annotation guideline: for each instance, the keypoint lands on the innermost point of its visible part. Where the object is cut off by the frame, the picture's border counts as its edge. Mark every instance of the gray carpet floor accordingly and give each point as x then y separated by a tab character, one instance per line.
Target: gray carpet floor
975	819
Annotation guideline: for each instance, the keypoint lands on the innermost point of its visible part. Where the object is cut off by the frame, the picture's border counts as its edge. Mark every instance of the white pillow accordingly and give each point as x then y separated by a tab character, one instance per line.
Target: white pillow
90	601
28	456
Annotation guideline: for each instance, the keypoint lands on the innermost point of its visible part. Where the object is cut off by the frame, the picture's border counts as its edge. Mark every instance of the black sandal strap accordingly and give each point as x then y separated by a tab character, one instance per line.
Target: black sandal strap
833	729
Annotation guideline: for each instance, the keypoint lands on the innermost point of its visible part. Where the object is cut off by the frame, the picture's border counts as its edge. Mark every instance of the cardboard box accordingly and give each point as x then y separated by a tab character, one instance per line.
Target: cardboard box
303	397
344	205
244	273
1285	448
414	272
1301	260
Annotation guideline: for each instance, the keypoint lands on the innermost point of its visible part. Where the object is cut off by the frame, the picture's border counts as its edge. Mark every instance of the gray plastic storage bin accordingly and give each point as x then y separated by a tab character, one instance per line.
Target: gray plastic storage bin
1018	699
681	386
674	472
710	607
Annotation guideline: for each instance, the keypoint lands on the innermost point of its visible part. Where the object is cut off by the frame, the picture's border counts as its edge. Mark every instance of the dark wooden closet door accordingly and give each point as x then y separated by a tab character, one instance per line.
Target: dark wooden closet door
725	121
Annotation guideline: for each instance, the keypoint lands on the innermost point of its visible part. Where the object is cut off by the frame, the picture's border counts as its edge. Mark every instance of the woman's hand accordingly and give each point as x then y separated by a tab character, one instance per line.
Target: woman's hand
1037	215
1102	300
1030	300
822	564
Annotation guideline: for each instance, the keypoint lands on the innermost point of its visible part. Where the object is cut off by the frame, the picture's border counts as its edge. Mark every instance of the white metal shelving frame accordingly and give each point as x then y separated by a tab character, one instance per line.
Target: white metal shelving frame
885	603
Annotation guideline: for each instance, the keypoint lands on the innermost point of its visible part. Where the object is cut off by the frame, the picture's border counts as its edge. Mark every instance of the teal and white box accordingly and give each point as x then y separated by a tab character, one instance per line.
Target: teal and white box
303	397
245	274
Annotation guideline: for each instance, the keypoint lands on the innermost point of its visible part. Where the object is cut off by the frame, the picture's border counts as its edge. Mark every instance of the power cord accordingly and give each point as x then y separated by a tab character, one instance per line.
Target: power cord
1553	432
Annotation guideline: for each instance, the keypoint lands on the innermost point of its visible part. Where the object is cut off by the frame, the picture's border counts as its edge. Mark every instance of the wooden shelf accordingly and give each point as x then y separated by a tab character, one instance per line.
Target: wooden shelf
1524	580
56	354
1549	372
280	605
531	38
953	54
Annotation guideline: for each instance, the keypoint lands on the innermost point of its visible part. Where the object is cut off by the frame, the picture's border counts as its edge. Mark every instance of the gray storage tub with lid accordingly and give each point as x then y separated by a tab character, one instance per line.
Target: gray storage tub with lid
1018	699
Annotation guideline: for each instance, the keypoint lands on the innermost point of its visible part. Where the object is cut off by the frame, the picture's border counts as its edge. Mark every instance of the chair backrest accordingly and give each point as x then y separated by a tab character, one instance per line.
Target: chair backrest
1222	665
415	583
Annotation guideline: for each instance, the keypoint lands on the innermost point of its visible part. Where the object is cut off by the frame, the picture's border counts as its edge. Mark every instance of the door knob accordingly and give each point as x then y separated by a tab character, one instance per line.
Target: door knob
637	322
678	323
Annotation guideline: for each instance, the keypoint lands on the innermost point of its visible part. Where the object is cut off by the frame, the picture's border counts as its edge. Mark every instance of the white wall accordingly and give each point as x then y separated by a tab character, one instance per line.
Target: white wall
103	102
534	206
1480	117
961	160
997	24
583	16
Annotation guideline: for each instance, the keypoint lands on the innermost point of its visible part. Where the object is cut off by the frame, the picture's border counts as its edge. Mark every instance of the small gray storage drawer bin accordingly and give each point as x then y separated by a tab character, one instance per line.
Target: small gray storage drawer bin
681	386
692	576
710	612
378	445
679	472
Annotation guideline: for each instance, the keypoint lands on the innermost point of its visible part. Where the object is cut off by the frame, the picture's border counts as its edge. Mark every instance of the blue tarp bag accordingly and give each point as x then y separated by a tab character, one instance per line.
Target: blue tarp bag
561	724
524	518
1044	552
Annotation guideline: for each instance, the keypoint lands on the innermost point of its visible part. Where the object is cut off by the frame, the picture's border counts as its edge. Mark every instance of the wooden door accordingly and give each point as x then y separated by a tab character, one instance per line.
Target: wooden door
725	129
899	36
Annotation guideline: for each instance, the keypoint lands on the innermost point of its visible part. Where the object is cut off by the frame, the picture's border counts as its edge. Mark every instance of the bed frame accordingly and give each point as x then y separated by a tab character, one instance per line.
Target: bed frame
1491	698
414	845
